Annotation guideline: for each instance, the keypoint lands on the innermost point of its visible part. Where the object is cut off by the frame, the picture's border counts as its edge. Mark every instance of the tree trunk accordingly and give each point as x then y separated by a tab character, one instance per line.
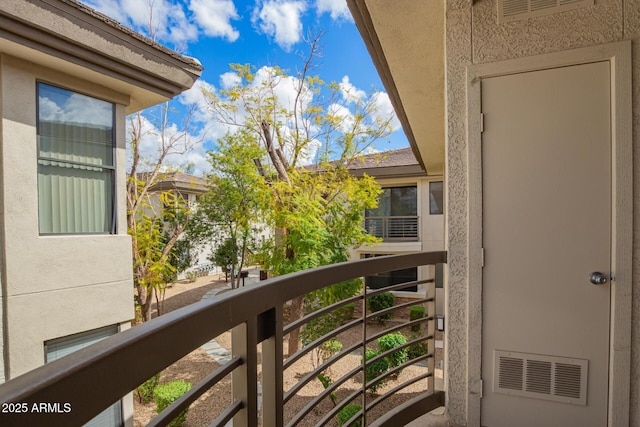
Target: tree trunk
145	299
296	313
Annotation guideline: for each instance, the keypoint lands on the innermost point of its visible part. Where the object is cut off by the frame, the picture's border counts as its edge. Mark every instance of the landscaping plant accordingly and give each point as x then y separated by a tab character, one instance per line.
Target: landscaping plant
389	342
146	389
375	369
168	393
416	312
381	302
347	413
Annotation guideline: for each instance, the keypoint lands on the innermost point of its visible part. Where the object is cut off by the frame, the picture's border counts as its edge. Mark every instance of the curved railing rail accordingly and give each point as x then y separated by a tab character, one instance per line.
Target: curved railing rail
91	379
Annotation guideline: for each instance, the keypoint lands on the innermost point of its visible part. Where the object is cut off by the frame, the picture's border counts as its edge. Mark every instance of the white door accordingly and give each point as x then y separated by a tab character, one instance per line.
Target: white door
546	160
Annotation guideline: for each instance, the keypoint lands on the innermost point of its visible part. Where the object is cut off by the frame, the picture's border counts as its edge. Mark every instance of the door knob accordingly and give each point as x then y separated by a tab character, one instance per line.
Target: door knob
597	278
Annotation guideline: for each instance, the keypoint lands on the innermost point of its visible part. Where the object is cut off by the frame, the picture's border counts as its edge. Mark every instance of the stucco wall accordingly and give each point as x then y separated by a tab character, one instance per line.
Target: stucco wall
53	286
473	36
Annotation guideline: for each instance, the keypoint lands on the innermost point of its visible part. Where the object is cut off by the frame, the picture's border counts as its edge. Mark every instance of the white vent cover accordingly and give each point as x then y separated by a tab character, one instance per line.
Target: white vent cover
560	379
514	10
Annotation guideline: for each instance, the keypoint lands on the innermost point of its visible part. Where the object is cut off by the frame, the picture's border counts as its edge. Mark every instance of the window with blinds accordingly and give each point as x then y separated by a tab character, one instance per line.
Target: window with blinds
75	162
60	347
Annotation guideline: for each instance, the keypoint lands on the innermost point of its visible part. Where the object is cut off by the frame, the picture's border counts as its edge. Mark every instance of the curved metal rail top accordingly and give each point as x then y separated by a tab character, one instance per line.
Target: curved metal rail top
93	378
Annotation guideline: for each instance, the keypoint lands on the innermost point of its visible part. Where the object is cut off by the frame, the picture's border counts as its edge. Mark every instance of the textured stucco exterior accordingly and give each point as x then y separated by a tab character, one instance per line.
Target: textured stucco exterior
69	37
473	36
53	285
430	237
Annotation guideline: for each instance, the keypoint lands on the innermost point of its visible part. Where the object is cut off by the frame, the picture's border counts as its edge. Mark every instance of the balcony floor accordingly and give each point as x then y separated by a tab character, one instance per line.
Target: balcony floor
435	418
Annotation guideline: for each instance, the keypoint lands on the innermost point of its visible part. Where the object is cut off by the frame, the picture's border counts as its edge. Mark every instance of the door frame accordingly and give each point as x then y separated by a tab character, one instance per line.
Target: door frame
619	56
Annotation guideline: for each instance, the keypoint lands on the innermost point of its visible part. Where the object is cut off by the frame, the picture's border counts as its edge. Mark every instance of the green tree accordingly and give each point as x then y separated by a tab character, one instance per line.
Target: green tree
316	211
155	220
230	213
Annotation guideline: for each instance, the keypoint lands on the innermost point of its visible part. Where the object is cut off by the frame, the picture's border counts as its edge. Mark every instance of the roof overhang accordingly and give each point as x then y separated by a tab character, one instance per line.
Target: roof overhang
405	39
67	36
407	171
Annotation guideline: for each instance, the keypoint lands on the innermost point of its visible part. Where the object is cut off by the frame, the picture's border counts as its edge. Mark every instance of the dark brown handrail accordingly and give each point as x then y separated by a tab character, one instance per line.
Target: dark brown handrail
93	378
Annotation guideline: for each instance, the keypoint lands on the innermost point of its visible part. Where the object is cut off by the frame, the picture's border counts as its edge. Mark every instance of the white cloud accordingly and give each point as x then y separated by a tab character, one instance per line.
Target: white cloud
370	150
336	8
189	149
214	17
196	95
284	89
76	108
169	21
350	92
229	79
384	110
281	20
343	115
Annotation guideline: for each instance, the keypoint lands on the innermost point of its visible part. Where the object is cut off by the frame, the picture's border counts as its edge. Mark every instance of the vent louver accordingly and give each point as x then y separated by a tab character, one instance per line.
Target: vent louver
515	10
554	378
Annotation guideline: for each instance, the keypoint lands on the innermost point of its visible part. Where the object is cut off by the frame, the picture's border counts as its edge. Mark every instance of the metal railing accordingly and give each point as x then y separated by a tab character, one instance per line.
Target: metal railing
390	228
91	379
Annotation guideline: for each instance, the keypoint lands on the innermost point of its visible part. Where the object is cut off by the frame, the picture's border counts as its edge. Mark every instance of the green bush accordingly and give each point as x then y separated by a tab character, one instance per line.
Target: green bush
418	349
146	389
326	382
347	413
391	341
168	393
416	312
191	276
380	302
345	313
375	369
330	348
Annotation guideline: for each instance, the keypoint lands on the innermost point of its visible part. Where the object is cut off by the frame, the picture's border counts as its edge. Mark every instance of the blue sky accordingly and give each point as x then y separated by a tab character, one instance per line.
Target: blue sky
259	32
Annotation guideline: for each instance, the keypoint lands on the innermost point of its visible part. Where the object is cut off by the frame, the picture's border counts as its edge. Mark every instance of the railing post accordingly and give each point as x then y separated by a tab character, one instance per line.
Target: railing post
431	333
244	379
272	383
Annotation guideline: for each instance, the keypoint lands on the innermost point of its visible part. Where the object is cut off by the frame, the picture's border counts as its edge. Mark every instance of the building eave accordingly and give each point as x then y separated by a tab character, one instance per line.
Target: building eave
409	56
67	36
408	171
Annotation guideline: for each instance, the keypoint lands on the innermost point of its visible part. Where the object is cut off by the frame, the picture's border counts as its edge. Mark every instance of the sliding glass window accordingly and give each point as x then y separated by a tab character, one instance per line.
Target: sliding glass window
75	162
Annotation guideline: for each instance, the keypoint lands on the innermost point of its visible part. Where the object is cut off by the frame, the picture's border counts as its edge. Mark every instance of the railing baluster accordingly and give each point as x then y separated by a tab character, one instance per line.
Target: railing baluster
244	338
272	382
431	333
255	315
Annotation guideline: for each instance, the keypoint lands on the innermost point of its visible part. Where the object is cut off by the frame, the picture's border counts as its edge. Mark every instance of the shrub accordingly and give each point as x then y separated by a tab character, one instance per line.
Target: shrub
418	349
345	313
375	369
347	413
326	382
146	389
330	348
168	393
191	276
380	302
416	312
391	341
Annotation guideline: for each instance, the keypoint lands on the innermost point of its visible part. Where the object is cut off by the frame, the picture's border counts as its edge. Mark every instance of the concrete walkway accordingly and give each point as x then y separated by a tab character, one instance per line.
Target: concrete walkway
220	354
215	350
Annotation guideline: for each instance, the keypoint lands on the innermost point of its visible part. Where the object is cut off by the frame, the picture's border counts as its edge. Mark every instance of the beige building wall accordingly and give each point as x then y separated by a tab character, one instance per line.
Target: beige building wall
52	286
431	229
473	36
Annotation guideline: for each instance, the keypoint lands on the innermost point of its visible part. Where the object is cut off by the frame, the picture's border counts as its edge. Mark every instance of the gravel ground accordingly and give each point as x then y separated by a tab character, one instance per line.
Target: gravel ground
196	365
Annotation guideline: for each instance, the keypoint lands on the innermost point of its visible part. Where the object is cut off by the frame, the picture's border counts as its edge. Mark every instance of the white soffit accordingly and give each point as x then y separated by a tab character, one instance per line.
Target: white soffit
406	41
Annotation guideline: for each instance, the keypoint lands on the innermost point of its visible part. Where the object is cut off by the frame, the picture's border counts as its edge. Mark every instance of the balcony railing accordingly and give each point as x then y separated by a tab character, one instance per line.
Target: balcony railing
93	378
393	228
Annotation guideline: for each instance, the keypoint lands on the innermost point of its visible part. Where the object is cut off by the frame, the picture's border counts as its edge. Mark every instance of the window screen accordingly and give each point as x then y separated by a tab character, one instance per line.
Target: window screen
60	347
